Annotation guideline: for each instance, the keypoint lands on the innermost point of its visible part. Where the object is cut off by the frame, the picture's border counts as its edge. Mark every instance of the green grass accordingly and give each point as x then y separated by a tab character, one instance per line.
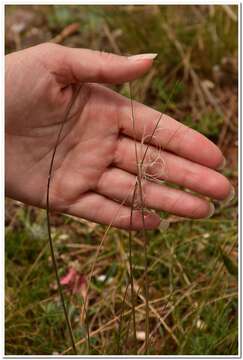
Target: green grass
186	271
192	265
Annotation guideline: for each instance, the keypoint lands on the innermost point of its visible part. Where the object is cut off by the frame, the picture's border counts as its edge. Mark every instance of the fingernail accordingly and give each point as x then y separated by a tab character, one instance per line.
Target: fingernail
211	210
222	165
230	197
142	57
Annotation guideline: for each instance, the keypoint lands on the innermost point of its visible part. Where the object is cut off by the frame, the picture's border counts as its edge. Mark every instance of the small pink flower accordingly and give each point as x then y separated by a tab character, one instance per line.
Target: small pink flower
74	281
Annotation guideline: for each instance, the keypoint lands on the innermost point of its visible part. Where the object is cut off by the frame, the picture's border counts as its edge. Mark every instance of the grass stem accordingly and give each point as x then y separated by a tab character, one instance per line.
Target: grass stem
54	262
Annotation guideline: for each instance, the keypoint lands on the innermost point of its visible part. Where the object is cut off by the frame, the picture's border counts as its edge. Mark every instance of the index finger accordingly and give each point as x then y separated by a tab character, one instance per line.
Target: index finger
170	134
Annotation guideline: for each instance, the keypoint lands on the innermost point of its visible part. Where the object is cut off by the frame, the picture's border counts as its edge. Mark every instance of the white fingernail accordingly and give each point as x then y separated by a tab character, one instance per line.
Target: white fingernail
222	165
230	197
142	57
211	210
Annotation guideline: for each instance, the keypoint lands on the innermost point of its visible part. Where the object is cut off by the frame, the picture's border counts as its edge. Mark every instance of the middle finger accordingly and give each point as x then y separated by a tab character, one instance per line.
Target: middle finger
170	167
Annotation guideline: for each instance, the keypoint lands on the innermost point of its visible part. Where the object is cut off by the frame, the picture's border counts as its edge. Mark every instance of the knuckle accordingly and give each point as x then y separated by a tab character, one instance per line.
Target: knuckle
189	178
104	58
49	46
173	206
120	152
103	54
178	136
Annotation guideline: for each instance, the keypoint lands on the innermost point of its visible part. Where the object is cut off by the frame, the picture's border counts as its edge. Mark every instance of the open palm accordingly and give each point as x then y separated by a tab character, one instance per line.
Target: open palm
95	167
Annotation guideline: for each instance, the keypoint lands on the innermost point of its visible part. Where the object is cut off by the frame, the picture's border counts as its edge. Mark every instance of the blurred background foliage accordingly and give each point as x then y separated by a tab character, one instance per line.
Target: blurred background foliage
192	264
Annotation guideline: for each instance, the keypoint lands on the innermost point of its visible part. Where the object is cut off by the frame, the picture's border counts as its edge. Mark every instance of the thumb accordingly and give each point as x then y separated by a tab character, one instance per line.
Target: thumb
84	65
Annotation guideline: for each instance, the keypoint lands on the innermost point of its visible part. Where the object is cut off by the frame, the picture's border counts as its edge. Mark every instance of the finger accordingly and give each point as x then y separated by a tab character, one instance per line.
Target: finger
170	167
158	197
170	134
99	209
84	65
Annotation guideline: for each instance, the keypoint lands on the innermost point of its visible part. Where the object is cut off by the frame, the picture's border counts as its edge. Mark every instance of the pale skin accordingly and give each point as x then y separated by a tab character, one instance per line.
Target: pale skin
95	167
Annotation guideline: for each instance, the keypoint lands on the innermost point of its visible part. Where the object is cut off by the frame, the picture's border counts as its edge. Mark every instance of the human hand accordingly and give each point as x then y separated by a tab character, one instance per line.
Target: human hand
95	166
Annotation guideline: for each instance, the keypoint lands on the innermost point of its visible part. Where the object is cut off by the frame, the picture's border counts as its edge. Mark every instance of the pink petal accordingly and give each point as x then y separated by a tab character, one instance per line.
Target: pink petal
69	277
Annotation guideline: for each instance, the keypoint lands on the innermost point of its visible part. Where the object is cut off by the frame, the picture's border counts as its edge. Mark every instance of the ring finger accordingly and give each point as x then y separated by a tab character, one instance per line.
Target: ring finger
158	197
172	168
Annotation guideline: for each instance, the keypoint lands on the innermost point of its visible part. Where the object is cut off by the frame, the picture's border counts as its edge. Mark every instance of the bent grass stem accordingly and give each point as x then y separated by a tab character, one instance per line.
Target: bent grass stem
54	262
